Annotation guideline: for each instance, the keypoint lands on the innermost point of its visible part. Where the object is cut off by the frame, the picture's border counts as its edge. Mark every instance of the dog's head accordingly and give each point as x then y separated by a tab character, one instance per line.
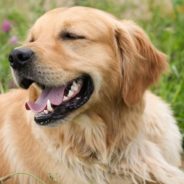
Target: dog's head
80	57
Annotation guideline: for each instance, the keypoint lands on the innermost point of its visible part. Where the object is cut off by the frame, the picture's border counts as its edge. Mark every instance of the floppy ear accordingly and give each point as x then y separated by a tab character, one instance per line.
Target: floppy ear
141	62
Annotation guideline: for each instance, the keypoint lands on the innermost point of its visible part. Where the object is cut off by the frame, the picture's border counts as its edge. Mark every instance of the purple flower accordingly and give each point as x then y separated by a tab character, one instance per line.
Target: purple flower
6	26
13	40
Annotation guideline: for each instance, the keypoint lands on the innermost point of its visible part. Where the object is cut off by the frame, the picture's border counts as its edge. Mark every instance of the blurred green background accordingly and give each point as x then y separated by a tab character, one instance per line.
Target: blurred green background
162	20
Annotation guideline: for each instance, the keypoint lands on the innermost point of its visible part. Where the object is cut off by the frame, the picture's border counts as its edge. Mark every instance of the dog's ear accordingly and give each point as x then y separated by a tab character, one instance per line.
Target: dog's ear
141	62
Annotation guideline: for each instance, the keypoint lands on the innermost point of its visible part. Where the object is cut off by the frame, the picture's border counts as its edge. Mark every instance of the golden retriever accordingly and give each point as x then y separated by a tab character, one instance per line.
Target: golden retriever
87	117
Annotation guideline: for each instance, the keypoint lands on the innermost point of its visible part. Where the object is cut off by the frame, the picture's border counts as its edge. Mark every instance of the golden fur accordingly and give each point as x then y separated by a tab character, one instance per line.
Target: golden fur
123	134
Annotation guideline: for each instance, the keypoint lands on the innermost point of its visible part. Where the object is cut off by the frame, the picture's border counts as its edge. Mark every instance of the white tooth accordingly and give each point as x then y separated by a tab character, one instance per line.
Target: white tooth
46	111
70	93
65	98
74	83
75	87
49	106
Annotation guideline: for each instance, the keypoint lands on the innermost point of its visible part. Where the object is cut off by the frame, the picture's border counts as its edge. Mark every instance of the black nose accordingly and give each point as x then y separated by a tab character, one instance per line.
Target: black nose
20	57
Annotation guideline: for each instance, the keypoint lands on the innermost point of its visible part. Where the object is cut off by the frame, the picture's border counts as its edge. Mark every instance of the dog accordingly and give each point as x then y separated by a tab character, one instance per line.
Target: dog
84	113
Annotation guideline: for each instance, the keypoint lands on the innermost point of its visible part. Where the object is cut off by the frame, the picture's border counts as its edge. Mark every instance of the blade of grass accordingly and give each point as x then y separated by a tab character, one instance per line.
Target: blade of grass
7	177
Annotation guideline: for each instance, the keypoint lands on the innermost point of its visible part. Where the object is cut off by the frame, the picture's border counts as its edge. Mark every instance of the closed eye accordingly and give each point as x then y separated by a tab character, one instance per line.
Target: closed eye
71	36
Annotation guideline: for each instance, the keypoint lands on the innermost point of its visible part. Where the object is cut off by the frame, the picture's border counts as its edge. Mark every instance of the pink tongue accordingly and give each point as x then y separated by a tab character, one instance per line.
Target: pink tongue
55	95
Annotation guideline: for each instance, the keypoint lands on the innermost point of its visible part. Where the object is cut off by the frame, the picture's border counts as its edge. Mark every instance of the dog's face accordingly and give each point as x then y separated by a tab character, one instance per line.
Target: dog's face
80	57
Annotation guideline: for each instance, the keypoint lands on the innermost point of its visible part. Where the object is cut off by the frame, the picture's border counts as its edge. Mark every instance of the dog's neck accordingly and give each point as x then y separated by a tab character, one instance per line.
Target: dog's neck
97	137
121	121
105	128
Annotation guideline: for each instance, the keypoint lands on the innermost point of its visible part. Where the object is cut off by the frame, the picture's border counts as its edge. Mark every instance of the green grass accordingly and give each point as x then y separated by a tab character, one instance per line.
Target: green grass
167	34
165	30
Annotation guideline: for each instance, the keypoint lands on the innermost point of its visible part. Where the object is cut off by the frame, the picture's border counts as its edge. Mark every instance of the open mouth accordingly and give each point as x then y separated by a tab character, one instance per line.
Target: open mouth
55	103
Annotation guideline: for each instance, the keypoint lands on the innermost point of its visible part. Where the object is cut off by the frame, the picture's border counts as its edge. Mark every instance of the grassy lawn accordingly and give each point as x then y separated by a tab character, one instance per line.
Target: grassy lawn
166	30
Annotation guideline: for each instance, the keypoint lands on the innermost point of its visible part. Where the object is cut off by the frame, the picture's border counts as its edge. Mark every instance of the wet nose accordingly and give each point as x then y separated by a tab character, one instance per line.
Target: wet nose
20	57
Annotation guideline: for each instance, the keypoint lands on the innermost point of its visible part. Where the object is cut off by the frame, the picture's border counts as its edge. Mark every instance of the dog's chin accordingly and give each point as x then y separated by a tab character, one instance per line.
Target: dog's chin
55	104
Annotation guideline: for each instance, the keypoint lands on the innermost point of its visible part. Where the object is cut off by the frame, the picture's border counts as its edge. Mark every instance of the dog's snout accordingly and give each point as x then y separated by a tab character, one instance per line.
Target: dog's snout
20	57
